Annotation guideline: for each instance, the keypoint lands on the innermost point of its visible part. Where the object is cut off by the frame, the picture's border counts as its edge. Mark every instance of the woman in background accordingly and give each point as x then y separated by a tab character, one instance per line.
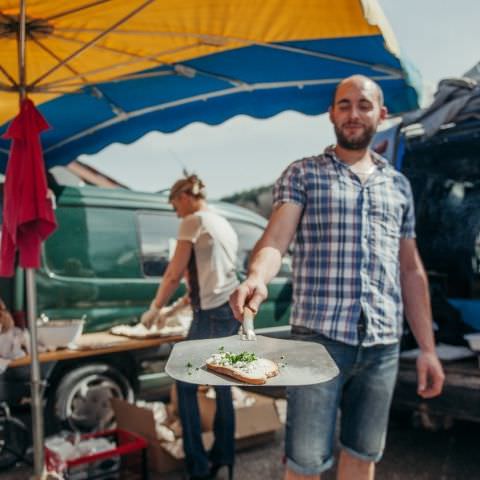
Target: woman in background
206	252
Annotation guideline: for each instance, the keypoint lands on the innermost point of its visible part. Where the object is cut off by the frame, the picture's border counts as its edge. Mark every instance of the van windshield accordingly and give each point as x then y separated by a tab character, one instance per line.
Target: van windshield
445	178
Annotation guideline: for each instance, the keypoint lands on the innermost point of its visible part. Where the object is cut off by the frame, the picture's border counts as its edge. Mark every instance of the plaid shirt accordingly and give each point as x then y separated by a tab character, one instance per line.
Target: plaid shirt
346	252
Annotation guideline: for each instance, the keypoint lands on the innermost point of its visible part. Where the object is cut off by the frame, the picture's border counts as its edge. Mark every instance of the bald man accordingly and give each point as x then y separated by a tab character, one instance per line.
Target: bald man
356	269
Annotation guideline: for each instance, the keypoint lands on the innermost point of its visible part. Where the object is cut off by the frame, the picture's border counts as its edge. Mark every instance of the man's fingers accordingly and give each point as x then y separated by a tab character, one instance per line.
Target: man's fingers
422	379
430	392
237	302
247	294
434	388
255	301
430	377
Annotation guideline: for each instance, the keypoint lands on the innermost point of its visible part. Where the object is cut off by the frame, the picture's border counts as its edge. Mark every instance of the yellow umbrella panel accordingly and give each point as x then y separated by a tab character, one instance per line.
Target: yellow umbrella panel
76	43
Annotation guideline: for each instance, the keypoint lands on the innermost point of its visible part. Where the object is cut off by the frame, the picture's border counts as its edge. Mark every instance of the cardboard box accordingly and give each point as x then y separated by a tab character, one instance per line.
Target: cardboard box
257	419
255	424
140	420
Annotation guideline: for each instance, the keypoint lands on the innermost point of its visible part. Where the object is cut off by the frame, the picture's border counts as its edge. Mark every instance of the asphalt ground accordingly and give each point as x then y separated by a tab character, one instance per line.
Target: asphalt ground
412	453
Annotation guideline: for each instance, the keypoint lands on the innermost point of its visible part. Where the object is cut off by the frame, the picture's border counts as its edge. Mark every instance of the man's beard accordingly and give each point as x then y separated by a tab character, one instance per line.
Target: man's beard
359	143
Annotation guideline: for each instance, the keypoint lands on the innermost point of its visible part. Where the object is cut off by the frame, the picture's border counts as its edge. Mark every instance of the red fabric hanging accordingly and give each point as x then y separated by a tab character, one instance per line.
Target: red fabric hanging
28	217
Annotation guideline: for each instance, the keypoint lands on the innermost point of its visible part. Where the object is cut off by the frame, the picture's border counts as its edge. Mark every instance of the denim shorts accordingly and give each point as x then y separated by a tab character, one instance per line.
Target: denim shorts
362	392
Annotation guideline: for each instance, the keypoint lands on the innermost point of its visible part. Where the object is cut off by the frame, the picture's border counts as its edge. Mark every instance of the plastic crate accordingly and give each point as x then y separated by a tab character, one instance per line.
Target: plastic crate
106	465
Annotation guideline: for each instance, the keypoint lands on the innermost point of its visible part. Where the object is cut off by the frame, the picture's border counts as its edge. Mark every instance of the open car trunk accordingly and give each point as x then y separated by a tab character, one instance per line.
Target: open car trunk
445	175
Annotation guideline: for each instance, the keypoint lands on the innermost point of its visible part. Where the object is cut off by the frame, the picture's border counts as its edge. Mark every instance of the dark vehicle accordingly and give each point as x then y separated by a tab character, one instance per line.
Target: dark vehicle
443	166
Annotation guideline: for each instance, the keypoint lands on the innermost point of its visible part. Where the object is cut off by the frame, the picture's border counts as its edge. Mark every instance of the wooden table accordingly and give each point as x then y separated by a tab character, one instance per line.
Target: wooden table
100	343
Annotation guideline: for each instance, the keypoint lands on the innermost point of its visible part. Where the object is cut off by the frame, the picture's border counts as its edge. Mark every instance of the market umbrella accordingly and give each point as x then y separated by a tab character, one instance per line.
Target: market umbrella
111	70
27	220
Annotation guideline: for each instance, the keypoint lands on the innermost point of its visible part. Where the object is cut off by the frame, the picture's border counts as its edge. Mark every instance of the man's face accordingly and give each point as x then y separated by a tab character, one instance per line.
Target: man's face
356	113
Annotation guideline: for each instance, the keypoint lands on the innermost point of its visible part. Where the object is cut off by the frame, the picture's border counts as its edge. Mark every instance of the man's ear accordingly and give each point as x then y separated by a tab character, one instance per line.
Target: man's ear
330	113
383	112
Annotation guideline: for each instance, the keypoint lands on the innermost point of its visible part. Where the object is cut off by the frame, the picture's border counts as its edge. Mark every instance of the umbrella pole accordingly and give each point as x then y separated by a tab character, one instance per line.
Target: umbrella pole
35	377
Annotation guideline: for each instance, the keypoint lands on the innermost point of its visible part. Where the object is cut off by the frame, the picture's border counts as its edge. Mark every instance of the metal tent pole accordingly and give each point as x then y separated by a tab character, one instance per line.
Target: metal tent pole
35	377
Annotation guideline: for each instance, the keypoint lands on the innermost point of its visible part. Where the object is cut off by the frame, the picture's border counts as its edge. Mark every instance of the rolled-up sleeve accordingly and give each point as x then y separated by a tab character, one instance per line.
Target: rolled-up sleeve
290	188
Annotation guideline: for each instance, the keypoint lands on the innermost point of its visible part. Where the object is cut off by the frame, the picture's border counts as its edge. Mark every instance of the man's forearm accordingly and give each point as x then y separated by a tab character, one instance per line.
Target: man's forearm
267	255
266	262
416	299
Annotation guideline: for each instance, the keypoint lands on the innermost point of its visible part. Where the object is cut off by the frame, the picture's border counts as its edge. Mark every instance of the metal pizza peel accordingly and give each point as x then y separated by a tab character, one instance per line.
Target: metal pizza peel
299	362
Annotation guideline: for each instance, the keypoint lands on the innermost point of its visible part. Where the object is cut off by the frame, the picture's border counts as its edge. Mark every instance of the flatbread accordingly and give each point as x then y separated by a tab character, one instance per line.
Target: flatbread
255	371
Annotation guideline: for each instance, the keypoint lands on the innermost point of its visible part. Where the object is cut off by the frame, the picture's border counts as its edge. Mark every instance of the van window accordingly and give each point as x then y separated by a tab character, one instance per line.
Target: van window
248	235
157	233
93	242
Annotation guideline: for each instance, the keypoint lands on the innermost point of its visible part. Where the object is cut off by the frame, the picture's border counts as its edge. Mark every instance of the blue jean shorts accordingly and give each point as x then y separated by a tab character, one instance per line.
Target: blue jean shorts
362	392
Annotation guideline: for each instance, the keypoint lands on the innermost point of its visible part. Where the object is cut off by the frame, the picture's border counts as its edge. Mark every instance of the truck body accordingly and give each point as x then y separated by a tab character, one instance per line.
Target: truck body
443	166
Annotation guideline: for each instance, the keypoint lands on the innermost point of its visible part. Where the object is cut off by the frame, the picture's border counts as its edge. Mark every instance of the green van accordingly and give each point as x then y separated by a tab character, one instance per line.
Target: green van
105	262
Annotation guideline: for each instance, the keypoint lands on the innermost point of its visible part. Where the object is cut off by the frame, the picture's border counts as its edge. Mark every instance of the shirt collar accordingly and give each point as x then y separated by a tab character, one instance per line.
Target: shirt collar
383	171
378	160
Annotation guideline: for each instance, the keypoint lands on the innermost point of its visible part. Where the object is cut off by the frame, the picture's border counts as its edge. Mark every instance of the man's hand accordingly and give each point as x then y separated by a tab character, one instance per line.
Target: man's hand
252	292
148	318
430	376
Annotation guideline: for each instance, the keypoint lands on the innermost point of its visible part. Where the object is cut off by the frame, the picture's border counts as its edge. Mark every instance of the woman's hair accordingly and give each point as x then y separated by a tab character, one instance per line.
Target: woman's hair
190	185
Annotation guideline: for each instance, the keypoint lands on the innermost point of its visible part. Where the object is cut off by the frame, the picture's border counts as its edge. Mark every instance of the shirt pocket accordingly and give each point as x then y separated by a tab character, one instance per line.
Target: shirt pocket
386	211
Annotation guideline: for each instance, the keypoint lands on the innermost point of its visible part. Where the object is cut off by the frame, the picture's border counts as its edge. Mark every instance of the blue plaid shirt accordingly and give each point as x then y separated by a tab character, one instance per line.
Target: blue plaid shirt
346	251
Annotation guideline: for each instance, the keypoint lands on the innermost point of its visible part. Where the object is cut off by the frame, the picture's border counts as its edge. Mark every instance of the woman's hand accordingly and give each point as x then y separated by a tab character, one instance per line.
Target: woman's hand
148	318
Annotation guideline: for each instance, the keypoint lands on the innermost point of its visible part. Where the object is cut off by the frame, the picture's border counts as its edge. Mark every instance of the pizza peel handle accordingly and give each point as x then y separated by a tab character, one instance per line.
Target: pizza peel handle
247	326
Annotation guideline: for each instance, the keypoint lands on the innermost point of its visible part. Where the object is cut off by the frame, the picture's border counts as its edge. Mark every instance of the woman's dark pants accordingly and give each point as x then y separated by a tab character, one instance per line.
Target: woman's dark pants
213	323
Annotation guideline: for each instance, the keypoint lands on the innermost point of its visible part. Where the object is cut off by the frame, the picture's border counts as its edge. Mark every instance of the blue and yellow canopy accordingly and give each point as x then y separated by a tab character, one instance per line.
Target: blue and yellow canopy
111	70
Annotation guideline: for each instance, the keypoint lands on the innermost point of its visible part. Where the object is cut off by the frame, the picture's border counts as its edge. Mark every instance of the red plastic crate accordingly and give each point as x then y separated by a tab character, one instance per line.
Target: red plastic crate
127	443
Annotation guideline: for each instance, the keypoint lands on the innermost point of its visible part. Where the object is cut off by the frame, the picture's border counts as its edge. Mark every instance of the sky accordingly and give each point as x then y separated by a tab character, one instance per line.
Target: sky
442	39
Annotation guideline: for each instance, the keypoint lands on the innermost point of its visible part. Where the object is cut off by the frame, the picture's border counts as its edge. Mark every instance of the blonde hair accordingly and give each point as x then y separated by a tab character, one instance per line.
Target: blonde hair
191	185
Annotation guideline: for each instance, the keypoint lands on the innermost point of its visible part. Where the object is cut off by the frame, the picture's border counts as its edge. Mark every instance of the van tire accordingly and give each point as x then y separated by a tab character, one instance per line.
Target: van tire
80	399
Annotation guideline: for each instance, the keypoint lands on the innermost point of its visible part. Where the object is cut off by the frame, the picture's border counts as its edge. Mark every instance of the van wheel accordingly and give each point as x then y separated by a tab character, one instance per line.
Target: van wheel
81	399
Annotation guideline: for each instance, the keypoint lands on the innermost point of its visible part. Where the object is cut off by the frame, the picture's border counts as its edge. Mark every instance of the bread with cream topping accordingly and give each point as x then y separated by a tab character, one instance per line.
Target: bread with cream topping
245	367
